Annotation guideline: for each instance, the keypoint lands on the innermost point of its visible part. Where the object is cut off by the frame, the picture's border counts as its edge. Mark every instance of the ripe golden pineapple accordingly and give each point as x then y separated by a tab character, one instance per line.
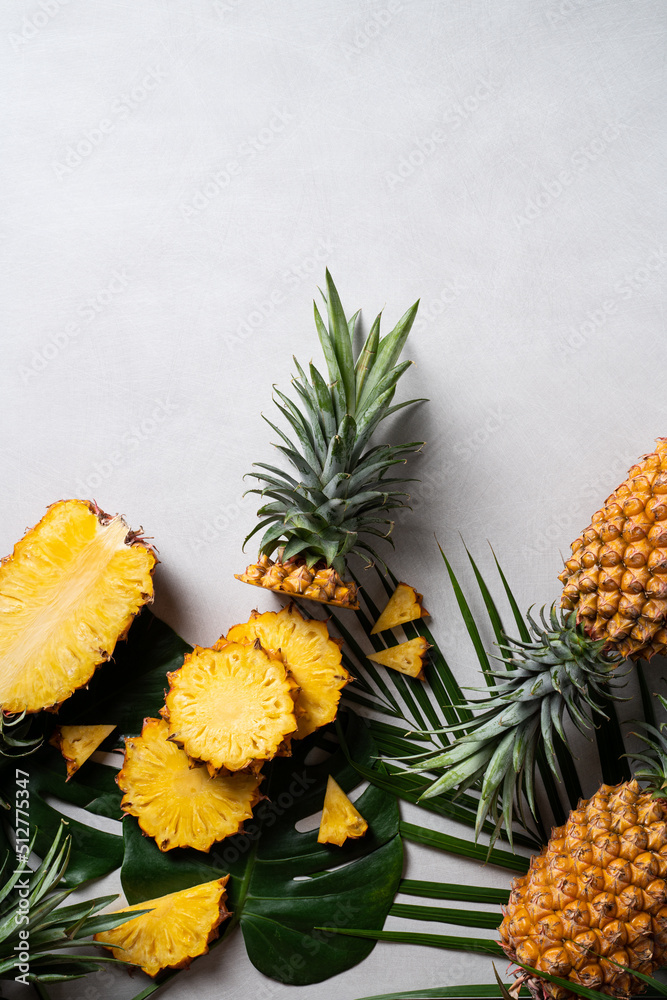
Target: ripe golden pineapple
178	928
408	657
616	578
404	605
177	802
312	657
340	819
231	706
597	892
77	743
68	593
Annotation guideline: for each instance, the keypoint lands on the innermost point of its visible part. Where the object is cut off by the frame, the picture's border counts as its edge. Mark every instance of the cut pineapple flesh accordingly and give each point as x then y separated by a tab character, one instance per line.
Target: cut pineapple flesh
407	657
340	819
178	928
404	605
311	656
77	743
231	706
67	594
177	802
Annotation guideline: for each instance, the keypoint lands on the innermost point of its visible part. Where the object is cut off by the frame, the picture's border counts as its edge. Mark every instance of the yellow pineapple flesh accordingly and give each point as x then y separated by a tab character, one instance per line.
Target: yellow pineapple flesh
231	706
294	578
312	657
340	819
77	743
177	802
596	895
68	593
408	657
616	577
404	605
178	928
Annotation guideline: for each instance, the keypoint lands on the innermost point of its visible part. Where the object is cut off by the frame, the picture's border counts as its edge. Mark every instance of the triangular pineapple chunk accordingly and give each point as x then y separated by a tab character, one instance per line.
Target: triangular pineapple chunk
404	605
407	658
340	819
77	743
178	928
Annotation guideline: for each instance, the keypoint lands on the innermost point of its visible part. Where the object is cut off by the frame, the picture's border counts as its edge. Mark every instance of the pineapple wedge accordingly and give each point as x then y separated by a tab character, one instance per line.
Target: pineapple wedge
68	593
340	819
312	657
178	928
231	706
408	657
177	802
77	743
404	605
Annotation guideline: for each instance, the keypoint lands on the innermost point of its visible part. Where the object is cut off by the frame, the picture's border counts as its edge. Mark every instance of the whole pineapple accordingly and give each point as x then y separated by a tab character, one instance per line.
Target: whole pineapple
339	493
594	899
616	578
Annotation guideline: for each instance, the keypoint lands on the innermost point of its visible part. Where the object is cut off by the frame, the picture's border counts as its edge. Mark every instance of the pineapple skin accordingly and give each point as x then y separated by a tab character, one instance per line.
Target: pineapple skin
597	891
616	577
294	579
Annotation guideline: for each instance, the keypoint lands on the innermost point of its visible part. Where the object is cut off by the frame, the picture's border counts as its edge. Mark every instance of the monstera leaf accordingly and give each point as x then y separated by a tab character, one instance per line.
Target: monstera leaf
283	885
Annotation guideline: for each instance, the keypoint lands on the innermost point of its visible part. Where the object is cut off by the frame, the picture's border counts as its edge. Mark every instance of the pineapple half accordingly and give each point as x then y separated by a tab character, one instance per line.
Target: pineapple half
77	743
404	605
340	819
312	657
340	494
231	706
68	593
178	928
408	657
177	802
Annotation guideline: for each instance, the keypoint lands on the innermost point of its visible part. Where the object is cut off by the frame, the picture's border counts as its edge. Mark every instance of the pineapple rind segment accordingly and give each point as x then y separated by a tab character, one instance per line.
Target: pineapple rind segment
68	593
404	605
77	743
312	657
616	577
179	928
294	578
231	705
408	657
176	801
340	819
596	891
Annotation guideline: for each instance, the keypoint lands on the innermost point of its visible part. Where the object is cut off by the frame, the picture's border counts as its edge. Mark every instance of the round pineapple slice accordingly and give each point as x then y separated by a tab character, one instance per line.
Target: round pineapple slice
178	928
312	657
68	593
177	802
231	706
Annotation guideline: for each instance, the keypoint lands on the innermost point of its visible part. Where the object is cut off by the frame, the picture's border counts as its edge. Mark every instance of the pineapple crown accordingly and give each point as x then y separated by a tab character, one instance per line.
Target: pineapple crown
341	493
560	669
653	760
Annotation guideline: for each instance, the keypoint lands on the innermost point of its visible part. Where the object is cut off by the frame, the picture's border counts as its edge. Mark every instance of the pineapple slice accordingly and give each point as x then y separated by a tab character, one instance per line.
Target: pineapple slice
231	706
178	928
311	656
404	605
177	802
68	593
407	657
77	743
340	819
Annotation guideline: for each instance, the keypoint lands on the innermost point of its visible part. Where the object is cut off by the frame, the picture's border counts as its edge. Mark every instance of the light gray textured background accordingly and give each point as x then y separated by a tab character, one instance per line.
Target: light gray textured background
176	177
